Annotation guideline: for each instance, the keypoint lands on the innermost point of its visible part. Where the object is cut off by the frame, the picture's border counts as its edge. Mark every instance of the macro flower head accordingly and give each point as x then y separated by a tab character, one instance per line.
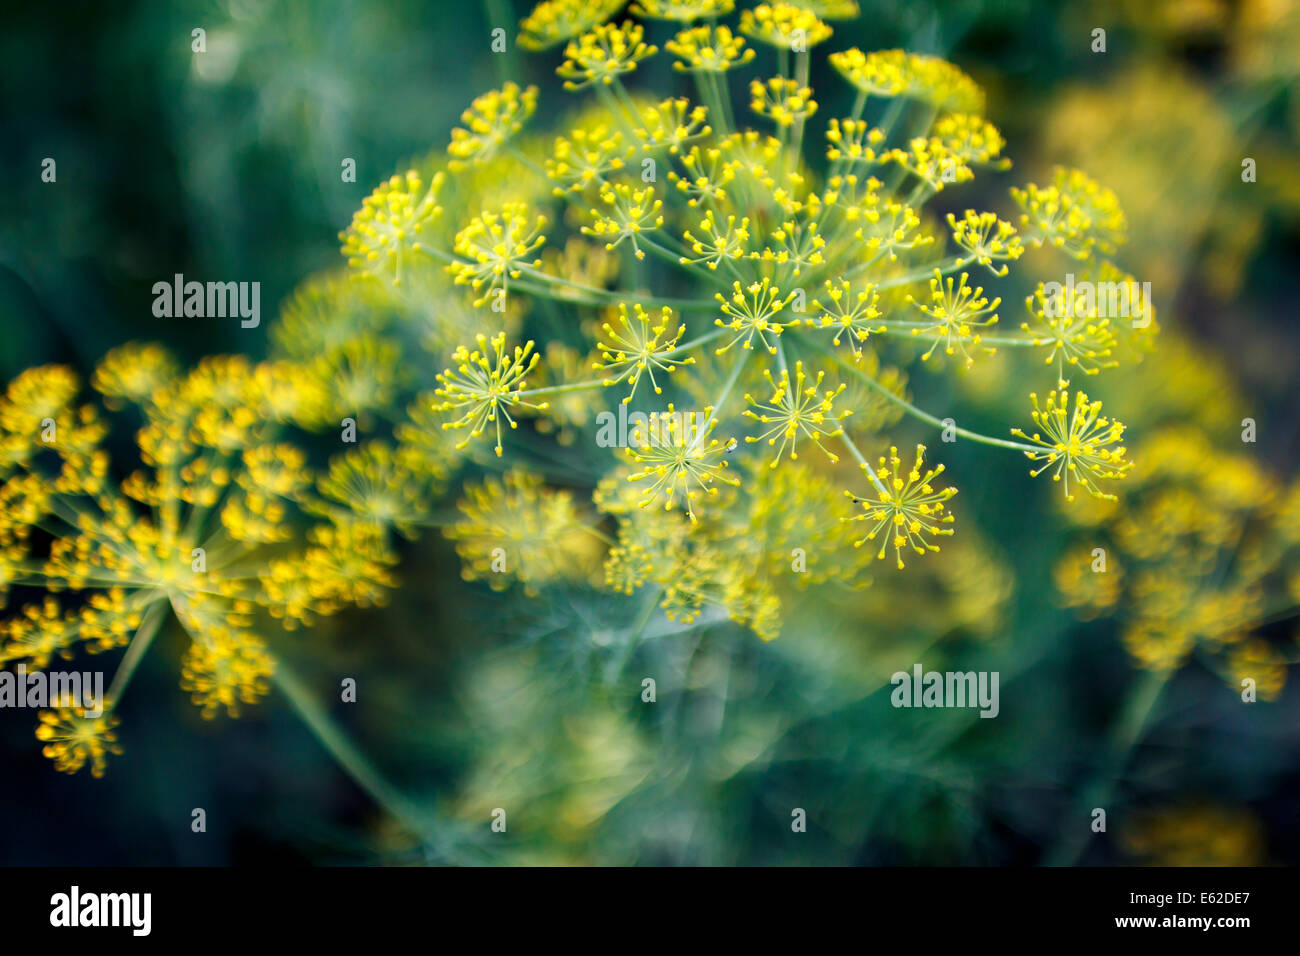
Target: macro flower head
709	49
1076	443
385	235
1074	333
987	239
485	385
604	53
185	538
851	312
626	213
496	246
1075	214
679	461
957	311
692	261
782	101
912	75
639	346
784	25
491	121
909	510
751	313
554	21
796	408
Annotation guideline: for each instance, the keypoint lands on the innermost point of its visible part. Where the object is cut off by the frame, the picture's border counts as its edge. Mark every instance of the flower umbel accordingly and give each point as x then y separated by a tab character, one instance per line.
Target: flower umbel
640	347
751	312
797	409
497	244
603	54
486	385
957	310
385	231
680	461
491	121
1080	443
909	508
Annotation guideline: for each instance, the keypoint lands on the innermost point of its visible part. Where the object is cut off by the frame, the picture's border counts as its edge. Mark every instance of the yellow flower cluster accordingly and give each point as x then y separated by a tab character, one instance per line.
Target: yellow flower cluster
651	237
1195	556
213	529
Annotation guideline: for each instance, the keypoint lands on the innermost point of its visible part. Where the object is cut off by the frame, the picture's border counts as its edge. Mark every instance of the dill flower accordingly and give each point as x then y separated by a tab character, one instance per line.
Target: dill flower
586	156
73	740
784	25
1070	327
706	177
639	347
716	243
745	204
1261	662
797	246
987	239
853	141
912	75
853	315
225	673
932	162
908	507
344	564
629	213
360	376
135	371
957	310
708	49
671	124
498	245
514	528
971	139
491	121
797	409
682	10
554	21
486	385
385	233
191	535
1075	214
1086	448
890	228
781	100
681	461
751	313
604	53
375	483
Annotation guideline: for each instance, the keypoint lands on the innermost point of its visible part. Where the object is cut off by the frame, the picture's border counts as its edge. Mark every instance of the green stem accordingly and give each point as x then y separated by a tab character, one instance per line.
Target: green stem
717	406
866	465
498	14
912	409
349	758
560	389
1125	734
144	636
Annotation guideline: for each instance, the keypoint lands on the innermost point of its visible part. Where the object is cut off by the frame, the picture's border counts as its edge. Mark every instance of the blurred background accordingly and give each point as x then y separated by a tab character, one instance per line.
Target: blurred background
227	165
